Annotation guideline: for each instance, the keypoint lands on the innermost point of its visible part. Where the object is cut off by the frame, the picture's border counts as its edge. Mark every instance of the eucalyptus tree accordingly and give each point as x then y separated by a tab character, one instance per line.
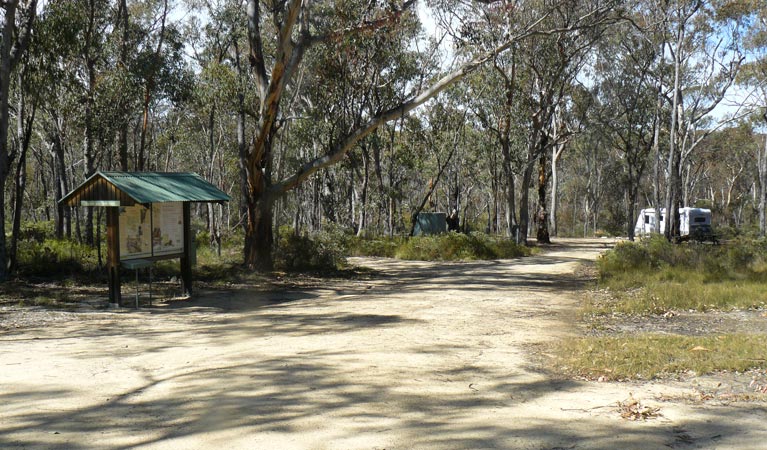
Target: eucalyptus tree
553	63
280	37
73	70
17	21
56	83
161	70
723	174
217	100
754	76
533	79
704	54
503	120
492	94
26	110
626	95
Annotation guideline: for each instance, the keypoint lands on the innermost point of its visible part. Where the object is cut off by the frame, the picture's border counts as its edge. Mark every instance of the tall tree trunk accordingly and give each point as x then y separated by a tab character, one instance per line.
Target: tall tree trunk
90	163
12	45
5	91
351	195
673	190
632	199
24	137
148	92
511	207
214	236
762	167
88	144
656	155
64	213
259	234
364	194
542	215
242	146
524	201
556	153
494	220
122	133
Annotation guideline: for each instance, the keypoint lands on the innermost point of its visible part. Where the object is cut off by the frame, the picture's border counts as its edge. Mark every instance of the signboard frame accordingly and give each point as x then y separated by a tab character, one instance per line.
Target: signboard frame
153	231
114	259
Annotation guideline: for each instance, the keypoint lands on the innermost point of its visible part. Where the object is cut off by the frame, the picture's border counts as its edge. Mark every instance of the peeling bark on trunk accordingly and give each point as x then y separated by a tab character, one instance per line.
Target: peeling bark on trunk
542	215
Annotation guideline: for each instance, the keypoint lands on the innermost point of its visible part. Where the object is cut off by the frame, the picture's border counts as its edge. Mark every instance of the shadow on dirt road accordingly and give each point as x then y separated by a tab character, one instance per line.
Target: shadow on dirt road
425	356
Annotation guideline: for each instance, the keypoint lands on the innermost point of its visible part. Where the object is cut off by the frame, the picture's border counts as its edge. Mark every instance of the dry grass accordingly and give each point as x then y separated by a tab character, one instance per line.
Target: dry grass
655	276
678	289
647	356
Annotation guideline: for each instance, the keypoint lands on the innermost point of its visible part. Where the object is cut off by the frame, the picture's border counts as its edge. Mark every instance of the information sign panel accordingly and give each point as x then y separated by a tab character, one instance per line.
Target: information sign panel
155	231
135	230
167	228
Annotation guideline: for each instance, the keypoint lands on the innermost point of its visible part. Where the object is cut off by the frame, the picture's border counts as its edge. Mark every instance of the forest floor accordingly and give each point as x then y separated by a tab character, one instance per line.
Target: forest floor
414	355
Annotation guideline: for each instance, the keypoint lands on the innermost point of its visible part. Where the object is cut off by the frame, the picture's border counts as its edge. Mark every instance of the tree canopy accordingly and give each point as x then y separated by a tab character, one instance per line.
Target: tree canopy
529	118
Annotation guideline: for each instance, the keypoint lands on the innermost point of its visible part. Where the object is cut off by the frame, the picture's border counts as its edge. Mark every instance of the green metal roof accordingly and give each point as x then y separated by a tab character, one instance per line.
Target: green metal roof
145	187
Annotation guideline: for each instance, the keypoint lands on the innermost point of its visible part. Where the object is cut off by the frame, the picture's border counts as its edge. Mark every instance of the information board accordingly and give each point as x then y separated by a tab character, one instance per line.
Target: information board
155	231
167	228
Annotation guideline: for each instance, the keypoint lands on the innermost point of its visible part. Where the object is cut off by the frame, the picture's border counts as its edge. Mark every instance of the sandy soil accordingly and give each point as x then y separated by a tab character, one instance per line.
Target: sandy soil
424	356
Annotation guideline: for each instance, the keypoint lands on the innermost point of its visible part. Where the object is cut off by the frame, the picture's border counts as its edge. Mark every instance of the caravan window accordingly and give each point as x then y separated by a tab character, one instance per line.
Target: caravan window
700	219
646	218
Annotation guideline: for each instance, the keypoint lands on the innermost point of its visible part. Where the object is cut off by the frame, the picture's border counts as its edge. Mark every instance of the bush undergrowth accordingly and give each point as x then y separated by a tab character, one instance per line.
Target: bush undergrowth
56	257
303	252
458	246
40	254
654	276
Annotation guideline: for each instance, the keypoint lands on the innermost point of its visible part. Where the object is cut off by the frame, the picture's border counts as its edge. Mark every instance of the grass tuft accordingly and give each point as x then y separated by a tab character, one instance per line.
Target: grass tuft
648	356
655	276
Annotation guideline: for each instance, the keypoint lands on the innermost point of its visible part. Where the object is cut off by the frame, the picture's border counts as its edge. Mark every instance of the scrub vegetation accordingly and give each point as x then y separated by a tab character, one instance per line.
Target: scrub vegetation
654	276
652	281
648	356
41	254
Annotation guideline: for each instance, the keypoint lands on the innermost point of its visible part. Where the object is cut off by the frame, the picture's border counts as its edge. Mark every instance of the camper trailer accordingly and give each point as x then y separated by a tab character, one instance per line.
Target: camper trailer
694	223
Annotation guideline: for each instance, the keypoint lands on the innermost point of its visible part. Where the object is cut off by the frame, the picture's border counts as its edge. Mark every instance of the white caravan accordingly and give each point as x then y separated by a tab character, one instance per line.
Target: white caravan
694	222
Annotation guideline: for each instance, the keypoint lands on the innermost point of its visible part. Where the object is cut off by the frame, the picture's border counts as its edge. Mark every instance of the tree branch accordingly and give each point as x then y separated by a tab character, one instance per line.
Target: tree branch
23	33
364	26
339	149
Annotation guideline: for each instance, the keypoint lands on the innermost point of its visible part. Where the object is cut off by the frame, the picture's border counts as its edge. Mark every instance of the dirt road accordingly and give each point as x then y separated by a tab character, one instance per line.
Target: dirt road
424	356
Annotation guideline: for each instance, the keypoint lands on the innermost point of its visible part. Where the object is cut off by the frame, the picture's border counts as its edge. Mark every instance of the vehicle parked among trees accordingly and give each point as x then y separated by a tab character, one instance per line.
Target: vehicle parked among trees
694	223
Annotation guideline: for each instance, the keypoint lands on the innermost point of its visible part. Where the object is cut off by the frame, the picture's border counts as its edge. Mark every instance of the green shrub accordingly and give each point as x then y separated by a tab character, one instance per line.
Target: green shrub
624	257
321	251
53	256
36	231
686	276
459	246
233	238
366	246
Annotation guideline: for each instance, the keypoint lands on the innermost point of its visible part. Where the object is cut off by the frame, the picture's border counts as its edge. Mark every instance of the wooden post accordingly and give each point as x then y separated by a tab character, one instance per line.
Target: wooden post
186	260
113	254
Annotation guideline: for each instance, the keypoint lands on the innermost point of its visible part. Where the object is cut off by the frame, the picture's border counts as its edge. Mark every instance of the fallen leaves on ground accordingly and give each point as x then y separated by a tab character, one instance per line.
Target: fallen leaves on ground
633	409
